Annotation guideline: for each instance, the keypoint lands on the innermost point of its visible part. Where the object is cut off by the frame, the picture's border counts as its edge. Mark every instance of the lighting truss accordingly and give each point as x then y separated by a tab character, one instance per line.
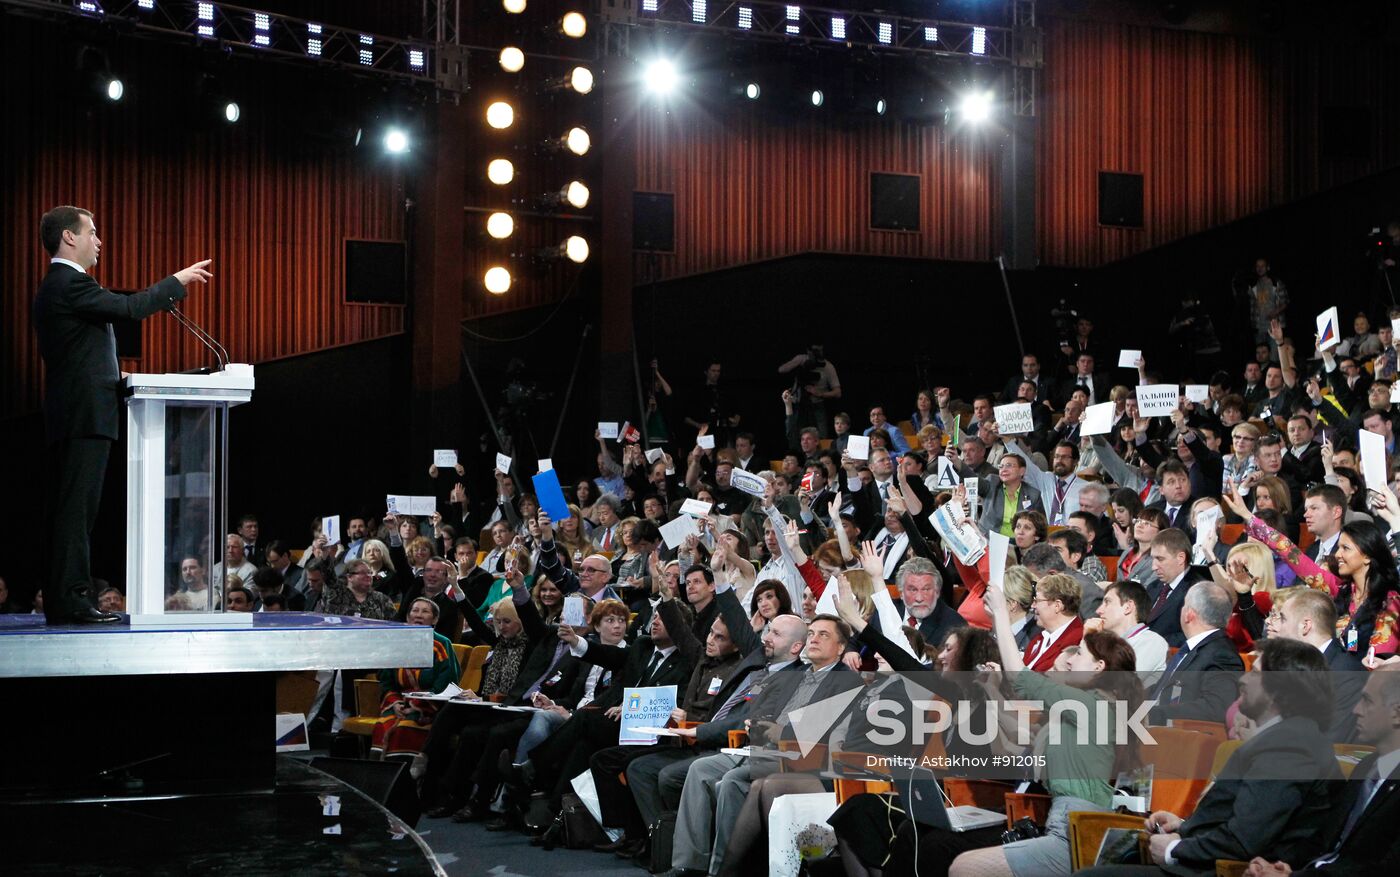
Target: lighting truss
256	31
817	26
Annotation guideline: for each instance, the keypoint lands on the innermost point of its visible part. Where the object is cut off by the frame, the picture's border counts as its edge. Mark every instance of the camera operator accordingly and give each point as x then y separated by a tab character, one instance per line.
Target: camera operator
814	381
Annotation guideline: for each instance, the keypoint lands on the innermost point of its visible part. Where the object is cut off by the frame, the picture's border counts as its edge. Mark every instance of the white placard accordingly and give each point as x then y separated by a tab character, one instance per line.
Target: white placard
1205	521
858	446
675	530
395	504
1197	393
1098	419
1129	358
696	507
1014	419
1157	400
330	528
1395	393
545	464
573	614
973	486
645	708
997	547
607	429
705	442
421	505
1328	332
1373	459
445	459
502	463
654	454
947	475
1394	329
748	482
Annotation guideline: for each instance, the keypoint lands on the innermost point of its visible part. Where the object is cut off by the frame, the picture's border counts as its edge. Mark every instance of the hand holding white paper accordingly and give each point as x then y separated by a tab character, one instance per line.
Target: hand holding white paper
444	459
330	528
502	464
1129	358
1098	419
858	446
1014	419
1328	333
705	442
607	429
1373	458
1157	400
748	482
545	464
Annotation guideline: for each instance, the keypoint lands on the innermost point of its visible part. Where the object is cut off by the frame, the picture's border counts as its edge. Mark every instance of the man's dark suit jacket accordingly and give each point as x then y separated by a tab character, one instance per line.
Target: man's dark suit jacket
1372	847
935	627
1348	678
73	317
1209	679
1099	382
765	700
1271	799
1166	620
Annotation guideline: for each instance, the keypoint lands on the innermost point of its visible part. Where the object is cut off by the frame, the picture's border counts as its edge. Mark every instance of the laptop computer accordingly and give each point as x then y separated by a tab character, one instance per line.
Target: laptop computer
923	800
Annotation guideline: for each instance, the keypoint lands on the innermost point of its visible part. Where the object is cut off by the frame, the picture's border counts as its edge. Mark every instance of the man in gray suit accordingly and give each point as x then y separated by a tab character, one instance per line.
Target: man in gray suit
72	317
1011	495
1045	558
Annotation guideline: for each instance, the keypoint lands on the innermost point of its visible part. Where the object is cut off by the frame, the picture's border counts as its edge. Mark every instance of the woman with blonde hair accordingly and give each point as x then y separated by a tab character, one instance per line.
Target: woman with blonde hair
1248	573
573	534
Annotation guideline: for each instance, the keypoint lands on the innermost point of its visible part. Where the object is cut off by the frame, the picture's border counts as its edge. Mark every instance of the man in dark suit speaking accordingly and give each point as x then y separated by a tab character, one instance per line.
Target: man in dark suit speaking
72	316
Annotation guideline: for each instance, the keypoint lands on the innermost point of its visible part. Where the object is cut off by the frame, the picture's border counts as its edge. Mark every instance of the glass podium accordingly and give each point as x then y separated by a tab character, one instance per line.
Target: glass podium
176	494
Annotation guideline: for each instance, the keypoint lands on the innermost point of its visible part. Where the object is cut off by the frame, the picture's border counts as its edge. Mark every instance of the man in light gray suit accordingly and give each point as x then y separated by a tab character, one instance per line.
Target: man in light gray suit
1010	495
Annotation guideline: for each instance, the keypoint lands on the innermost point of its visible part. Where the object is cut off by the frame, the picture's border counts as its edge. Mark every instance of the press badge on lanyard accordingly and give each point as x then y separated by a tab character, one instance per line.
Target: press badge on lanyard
715	683
1351	639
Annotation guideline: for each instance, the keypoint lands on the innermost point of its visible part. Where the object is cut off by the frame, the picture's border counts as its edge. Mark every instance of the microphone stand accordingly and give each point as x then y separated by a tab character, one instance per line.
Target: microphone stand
220	354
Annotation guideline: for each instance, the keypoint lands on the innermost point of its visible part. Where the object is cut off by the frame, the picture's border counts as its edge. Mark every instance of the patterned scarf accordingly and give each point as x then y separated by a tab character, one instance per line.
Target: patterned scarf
506	657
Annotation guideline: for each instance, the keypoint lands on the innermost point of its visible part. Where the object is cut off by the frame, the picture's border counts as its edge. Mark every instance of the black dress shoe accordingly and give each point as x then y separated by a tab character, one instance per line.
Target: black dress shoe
469	813
504	822
90	615
442	811
613	846
632	850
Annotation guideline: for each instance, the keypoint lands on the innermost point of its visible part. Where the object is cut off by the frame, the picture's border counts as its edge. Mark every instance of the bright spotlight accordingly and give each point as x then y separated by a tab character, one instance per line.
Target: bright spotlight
231	112
500	225
577	141
581	80
499	115
752	91
574	24
497	279
514	7
576	249
395	141
818	98
500	171
661	77
880	106
976	106
576	194
512	59
115	89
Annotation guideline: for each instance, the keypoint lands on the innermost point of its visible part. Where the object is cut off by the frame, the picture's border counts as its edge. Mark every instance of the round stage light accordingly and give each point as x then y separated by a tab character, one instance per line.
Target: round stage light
514	7
500	226
499	115
578	141
752	91
500	171
581	80
574	24
576	194
880	106
576	249
976	107
512	59
115	89
818	98
232	112
395	141
660	77
497	280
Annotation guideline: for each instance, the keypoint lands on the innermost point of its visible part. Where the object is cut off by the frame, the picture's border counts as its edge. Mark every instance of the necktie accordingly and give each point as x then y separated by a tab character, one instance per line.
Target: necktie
740	693
912	622
656	660
1061	487
558	654
885	491
1161	601
888	543
607	539
1363	799
1164	687
1171	515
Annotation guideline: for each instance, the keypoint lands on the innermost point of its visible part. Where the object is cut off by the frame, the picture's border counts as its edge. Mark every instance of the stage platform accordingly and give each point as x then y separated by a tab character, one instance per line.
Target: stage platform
277	641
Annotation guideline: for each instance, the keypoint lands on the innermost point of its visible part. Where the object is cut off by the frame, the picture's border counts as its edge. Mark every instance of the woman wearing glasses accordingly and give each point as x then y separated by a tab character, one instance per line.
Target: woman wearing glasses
1136	561
1248	571
1239	464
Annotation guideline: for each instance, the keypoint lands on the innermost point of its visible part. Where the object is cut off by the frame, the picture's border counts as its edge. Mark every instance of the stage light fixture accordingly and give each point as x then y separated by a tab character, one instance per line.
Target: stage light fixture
576	249
930	34
512	59
313	40
660	77
885	33
752	91
204	13
500	115
500	226
976	107
880	106
500	171
396	141
577	141
575	195
649	5
574	25
698	10
838	27
232	112
817	97
497	278
794	15
745	18
581	80
514	7
979	41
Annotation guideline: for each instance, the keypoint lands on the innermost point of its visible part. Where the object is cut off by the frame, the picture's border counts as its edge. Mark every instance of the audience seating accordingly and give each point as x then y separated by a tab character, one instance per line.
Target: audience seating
1086	831
1214	729
1110	565
367	702
472	668
1183	759
296	692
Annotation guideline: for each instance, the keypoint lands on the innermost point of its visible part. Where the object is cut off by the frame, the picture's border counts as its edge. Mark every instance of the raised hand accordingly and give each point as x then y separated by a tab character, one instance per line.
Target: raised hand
196	273
846	605
872	561
834	508
896	502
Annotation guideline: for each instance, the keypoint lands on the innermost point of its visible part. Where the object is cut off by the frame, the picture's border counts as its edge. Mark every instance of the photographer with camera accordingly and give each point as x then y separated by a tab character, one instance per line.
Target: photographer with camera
814	381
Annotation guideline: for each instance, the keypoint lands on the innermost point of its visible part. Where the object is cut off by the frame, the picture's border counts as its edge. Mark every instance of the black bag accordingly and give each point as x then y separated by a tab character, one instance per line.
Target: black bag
660	836
537	813
581	830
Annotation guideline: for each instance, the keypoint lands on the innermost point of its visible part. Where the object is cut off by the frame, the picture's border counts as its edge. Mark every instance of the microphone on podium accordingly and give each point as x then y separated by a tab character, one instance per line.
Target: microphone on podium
220	354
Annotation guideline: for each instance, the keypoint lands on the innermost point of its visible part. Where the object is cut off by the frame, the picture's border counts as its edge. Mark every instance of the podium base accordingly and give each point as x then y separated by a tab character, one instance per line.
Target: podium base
192	620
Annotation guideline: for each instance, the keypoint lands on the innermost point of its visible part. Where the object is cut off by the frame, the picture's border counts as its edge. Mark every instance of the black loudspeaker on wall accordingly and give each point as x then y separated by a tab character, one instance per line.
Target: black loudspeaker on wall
376	272
1120	199
894	202
387	782
654	222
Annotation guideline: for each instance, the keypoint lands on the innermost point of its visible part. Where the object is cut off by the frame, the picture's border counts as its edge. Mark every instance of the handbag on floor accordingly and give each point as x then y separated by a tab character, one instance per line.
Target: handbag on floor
660	836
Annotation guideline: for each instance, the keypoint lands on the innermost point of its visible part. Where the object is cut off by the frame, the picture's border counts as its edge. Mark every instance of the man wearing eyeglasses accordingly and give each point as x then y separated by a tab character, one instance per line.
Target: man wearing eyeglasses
594	571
